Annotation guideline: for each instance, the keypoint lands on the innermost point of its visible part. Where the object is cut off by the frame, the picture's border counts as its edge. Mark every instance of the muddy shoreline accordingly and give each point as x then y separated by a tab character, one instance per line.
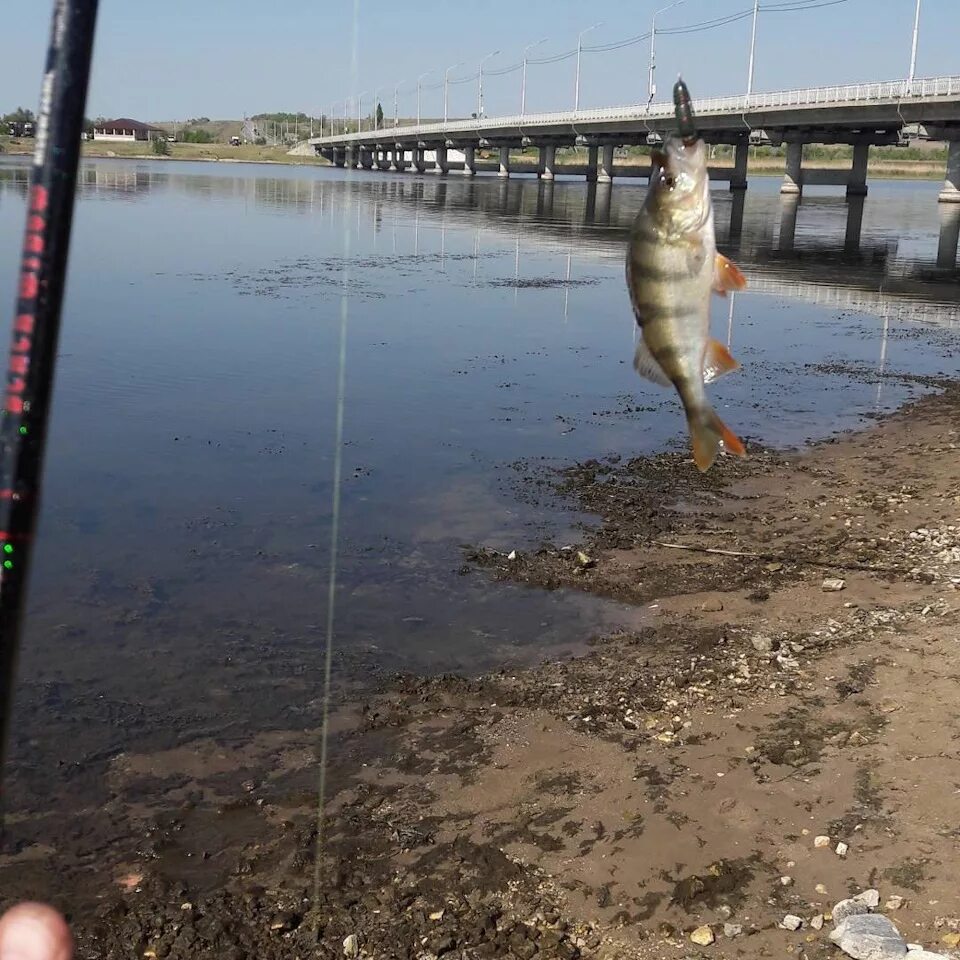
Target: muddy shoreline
605	805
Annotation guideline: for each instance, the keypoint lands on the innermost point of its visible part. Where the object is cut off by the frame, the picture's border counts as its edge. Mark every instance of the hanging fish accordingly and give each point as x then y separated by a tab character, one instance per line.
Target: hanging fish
672	267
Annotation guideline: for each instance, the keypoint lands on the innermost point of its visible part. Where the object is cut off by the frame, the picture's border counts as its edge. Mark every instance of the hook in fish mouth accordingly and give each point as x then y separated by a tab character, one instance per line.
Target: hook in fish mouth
683	110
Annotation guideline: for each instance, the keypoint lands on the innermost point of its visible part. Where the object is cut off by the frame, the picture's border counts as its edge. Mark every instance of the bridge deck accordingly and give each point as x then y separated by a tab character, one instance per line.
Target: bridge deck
892	103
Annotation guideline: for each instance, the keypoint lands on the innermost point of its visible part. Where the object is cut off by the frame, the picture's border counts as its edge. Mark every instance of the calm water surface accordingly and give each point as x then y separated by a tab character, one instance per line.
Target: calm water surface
190	467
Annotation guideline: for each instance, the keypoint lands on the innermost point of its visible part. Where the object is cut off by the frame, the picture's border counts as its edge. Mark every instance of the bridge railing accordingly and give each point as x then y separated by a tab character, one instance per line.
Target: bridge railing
885	91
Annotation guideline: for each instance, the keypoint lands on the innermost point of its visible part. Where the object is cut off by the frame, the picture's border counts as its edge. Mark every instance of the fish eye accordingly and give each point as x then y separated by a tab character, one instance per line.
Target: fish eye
669	182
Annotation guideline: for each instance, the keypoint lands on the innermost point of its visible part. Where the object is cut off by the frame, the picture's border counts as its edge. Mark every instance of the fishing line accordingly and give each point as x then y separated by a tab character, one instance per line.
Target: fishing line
334	520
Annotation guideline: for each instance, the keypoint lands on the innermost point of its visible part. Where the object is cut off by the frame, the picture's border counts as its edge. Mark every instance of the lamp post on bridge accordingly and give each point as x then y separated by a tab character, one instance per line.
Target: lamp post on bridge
913	49
419	81
480	84
651	84
446	84
576	91
360	97
376	108
396	94
753	46
523	82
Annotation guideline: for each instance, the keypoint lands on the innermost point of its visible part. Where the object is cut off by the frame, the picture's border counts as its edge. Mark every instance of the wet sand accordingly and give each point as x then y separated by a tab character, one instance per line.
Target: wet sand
604	805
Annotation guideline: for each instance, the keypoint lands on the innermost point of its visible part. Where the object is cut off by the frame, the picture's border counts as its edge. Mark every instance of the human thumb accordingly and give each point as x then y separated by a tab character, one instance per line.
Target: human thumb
34	931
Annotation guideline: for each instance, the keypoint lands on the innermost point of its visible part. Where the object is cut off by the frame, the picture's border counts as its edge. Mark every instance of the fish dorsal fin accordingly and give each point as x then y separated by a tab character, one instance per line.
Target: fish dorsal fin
727	276
645	363
717	361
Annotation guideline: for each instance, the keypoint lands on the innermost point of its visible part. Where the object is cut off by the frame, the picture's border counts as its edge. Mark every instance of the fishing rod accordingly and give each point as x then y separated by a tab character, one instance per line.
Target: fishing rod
36	323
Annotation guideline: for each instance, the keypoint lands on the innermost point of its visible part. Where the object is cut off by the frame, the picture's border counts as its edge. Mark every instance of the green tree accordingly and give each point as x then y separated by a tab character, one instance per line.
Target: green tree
160	147
20	115
379	116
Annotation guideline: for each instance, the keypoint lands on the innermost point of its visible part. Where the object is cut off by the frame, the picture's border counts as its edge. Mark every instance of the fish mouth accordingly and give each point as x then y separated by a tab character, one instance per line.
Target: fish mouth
675	160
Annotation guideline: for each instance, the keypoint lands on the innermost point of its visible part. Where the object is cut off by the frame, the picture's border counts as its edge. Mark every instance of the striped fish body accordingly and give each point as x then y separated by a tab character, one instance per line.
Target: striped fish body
672	267
670	277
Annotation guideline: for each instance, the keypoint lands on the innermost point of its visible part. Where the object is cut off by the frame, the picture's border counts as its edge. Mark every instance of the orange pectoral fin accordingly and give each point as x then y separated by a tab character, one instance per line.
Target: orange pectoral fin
717	361
727	276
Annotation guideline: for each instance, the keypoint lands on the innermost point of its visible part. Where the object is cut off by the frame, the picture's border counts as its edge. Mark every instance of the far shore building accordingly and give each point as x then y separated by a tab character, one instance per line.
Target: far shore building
125	129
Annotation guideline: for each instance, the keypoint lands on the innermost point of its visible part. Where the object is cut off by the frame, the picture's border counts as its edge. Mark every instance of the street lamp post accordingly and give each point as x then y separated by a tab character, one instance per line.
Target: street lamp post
576	91
419	81
360	97
913	49
480	84
446	84
651	85
523	82
396	94
753	46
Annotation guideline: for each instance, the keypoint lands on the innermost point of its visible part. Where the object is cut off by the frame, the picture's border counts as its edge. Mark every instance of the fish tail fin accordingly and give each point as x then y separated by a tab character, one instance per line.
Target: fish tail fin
707	433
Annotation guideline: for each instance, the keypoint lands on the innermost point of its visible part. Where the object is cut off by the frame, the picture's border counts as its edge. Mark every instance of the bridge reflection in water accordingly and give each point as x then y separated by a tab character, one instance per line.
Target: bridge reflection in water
810	247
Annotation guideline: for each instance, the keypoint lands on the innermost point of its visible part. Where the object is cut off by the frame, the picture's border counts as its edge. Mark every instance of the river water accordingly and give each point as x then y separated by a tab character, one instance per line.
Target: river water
182	567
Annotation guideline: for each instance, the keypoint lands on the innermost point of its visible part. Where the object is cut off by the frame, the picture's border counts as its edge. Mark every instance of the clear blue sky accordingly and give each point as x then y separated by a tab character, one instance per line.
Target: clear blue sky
223	58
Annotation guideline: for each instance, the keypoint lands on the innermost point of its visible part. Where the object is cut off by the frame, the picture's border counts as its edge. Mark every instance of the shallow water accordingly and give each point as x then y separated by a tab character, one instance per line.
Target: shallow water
189	474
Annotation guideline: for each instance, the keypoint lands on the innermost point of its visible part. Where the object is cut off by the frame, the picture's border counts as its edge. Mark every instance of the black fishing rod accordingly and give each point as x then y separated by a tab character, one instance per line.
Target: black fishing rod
36	322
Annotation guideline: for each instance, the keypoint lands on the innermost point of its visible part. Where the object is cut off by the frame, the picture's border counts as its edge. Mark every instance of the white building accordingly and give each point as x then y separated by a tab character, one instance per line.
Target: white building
124	129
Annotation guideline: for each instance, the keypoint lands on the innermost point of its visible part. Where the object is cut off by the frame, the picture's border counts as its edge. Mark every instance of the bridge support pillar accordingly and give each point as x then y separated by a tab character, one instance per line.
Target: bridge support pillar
857	184
443	165
739	202
548	154
420	165
602	206
793	178
394	156
383	159
592	164
738	181
339	156
851	239
366	159
951	187
401	158
504	171
788	220
605	175
949	236
352	157
470	161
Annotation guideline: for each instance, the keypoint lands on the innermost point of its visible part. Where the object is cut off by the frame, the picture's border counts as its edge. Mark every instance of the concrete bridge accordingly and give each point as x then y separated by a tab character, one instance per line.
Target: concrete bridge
861	115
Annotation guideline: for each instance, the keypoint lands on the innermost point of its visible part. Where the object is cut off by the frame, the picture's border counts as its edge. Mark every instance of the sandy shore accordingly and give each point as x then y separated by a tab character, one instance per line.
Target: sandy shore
607	805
